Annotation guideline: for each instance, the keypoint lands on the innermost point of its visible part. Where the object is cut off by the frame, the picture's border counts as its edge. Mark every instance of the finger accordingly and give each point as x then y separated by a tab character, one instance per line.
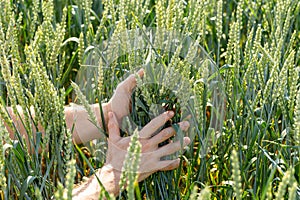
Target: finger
170	164
141	73
167	133
155	124
129	83
173	147
113	127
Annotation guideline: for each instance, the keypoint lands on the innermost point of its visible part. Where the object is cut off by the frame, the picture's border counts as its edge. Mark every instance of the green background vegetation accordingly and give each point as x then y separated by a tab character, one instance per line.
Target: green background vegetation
255	44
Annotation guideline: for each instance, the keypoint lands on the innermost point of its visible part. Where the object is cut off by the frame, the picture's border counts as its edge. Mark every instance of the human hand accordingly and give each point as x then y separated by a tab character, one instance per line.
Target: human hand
151	154
120	101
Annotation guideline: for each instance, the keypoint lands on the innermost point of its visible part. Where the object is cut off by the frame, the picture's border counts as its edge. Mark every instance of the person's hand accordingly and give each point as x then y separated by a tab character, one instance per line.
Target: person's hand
119	104
120	101
151	154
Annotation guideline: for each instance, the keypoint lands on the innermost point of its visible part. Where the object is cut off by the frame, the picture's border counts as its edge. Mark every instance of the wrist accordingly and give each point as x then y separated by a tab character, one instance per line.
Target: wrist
88	190
110	179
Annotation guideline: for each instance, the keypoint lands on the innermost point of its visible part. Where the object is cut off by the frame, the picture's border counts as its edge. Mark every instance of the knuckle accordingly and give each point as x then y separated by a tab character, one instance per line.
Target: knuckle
152	125
167	132
145	146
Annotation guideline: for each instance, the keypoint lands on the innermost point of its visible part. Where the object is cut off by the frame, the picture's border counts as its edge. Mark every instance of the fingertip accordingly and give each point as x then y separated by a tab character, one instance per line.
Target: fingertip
170	113
141	72
132	80
177	161
173	165
184	125
186	140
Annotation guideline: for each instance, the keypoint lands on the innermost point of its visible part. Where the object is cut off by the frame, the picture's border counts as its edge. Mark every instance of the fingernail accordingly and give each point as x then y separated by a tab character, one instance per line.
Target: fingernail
170	113
141	72
185	124
187	140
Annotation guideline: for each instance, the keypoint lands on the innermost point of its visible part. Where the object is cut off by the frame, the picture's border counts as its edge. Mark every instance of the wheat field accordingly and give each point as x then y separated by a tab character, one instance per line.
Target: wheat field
233	65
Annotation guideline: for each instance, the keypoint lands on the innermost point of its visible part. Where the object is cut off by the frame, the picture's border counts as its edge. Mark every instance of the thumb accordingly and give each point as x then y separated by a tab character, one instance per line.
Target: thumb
113	127
129	83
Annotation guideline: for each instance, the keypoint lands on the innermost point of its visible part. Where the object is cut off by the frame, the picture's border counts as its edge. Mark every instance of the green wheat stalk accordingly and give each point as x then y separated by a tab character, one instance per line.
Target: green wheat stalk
236	175
130	167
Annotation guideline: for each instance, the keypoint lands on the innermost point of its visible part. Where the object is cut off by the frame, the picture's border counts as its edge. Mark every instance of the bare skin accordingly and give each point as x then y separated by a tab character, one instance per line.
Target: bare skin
150	162
114	111
119	104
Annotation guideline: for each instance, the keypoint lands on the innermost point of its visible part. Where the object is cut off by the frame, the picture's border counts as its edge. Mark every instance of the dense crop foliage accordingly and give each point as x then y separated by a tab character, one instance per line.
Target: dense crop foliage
251	152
